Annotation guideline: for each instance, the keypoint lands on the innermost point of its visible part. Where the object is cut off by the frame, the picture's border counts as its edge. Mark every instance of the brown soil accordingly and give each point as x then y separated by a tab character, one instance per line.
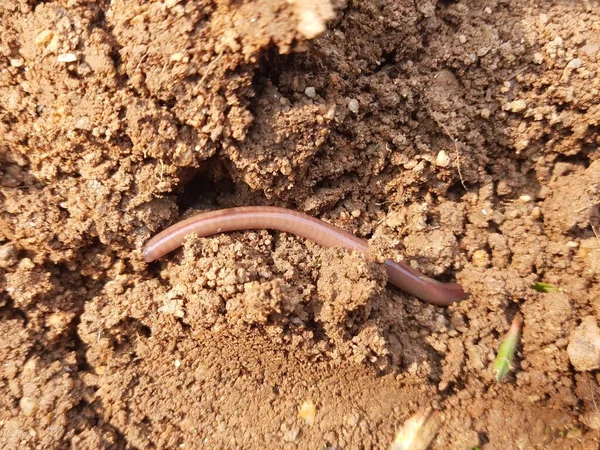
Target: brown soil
461	136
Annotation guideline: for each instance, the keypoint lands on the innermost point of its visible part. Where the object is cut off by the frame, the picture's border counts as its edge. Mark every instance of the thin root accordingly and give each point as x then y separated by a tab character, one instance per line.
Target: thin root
596	234
456	149
160	177
593	396
210	67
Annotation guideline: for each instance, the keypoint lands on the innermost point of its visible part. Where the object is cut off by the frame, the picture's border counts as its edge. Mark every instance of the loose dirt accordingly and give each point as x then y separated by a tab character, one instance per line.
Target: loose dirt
460	136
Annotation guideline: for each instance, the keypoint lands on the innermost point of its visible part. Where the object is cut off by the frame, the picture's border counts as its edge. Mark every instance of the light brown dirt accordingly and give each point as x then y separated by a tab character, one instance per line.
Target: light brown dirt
460	136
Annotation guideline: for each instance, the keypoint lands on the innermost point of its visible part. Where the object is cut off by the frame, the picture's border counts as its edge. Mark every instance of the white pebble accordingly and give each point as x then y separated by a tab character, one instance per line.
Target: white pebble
66	58
353	105
584	346
442	159
310	92
525	198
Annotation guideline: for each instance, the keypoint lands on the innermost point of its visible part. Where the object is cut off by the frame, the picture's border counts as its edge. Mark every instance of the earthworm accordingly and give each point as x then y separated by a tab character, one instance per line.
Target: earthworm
294	222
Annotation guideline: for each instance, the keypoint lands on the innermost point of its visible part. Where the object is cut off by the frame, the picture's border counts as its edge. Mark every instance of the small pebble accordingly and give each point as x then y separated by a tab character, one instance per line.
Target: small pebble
590	49
584	345
516	106
8	255
353	106
442	159
44	37
485	113
310	92
330	114
482	51
29	406
481	258
66	58
462	39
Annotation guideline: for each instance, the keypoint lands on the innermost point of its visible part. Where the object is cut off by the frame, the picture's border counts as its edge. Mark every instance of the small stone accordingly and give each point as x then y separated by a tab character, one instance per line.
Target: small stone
44	37
8	255
177	57
442	159
462	39
584	345
353	105
67	58
589	252
16	62
525	198
481	258
28	405
488	10
330	114
505	87
485	113
482	51
590	49
538	58
591	419
516	106
310	92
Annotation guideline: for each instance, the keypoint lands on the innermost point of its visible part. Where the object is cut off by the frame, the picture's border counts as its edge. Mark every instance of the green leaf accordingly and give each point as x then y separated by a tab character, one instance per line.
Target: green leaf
506	353
543	287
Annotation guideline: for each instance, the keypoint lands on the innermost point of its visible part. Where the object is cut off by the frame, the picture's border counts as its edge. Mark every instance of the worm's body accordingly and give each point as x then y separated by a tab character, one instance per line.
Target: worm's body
281	219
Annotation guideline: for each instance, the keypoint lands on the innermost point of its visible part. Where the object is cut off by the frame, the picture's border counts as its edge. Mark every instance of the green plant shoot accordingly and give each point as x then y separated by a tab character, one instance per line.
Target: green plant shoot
543	287
506	353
